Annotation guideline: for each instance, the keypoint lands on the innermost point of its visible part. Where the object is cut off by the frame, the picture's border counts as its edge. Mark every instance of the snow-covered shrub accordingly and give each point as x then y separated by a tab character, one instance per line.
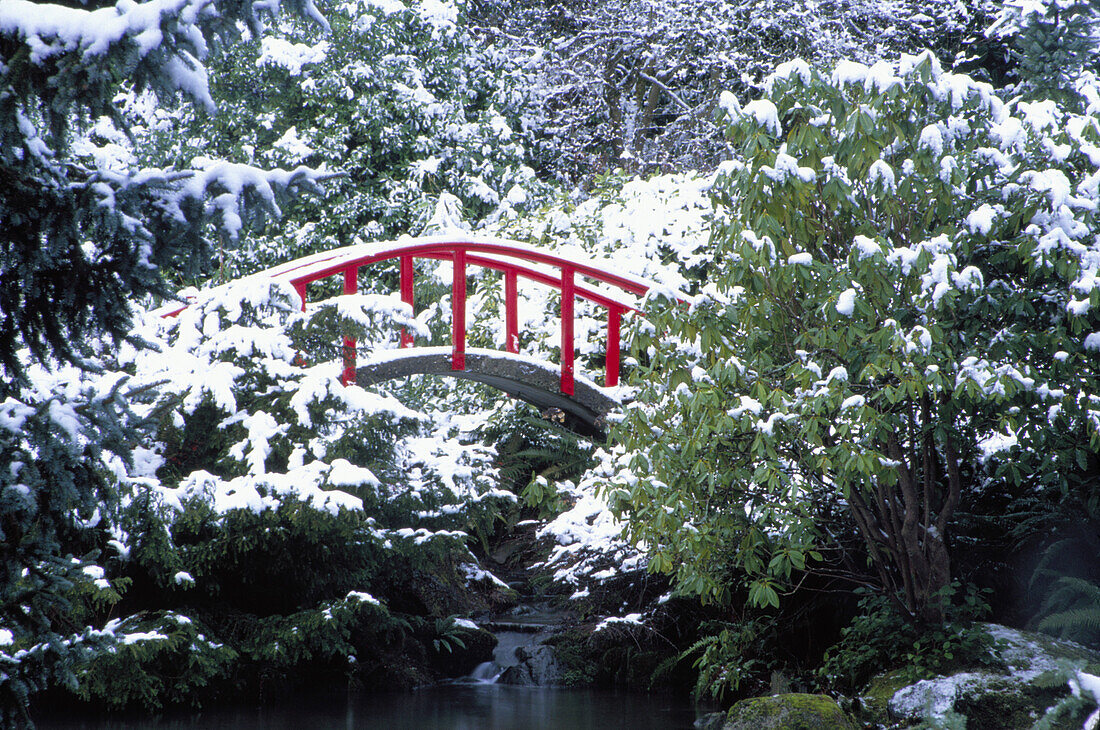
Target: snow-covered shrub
1052	47
273	507
144	665
906	312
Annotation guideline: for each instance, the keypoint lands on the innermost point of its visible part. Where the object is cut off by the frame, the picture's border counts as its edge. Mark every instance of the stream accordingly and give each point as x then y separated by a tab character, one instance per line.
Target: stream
469	706
498	695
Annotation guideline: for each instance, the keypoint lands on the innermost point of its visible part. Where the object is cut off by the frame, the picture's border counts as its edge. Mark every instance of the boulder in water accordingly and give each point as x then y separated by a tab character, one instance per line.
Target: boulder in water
536	667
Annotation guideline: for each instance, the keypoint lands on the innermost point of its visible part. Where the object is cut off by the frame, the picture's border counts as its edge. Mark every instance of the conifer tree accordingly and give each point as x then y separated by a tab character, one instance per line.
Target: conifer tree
83	233
1052	44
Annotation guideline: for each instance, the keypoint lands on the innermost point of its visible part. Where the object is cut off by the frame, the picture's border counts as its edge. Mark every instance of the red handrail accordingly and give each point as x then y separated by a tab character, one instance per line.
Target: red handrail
503	256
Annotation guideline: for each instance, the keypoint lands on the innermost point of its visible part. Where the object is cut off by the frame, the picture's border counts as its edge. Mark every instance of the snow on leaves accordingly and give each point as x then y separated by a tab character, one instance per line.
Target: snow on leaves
939	250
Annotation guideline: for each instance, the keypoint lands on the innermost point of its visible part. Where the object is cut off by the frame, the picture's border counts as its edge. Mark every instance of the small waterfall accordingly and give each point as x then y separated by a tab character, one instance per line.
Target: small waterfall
512	649
520	657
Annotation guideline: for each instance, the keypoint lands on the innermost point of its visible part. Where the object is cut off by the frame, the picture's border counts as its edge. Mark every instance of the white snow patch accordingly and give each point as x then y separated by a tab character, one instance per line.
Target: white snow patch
846	302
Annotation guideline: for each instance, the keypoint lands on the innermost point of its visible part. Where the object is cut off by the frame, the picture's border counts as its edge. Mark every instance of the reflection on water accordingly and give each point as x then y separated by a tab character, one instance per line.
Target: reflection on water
453	707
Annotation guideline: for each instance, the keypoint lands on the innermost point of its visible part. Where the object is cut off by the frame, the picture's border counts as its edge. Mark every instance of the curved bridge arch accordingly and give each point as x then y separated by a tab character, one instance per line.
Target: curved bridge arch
524	378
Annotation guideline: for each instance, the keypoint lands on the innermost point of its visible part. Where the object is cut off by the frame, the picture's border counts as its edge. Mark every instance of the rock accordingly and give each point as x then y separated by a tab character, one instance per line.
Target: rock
990	699
788	712
875	700
537	667
1006	703
710	721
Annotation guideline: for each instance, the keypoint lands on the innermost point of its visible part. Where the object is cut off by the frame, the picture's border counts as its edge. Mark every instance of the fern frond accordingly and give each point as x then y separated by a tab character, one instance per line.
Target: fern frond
1074	621
1069	592
1051	556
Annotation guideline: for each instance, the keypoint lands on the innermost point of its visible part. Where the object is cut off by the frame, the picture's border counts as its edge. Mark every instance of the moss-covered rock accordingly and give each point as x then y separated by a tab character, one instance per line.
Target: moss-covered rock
873	704
1006	703
788	712
989	699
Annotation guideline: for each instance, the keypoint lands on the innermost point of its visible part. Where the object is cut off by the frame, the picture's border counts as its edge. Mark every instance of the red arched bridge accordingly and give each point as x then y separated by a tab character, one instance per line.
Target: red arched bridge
531	380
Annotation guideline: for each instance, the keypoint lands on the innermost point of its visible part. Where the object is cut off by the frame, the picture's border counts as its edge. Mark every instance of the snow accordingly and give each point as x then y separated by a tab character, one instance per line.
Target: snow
476	574
787	167
52	29
362	597
292	144
795	68
1092	342
765	113
1026	658
1053	182
882	174
981	219
7	638
1084	682
748	405
854	401
881	77
386	7
934	697
345	474
441	16
846	302
290	56
849	72
865	247
13	414
996	443
931	139
631	619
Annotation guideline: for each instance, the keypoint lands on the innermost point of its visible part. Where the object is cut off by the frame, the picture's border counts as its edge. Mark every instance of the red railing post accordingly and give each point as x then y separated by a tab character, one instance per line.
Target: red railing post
458	311
407	295
300	287
511	315
351	286
611	365
567	330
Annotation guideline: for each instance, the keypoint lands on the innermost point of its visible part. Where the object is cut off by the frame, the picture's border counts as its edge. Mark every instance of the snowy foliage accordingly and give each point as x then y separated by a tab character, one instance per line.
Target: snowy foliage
86	229
288	429
401	100
1053	47
946	309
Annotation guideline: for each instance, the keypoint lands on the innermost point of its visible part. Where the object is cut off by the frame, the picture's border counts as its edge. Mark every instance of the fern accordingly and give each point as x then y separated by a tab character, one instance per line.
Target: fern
1070	608
531	446
1074	621
727	659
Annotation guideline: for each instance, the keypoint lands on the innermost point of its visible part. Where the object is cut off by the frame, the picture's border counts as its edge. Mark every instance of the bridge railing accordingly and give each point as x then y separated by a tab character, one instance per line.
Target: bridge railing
514	260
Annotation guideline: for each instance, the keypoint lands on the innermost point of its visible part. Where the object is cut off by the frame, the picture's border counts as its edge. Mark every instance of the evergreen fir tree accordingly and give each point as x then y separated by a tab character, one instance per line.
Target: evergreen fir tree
1053	49
1052	43
82	234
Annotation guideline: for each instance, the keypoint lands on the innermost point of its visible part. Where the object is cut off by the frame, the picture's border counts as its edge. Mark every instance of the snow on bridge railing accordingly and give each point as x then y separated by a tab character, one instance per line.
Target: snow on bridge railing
515	260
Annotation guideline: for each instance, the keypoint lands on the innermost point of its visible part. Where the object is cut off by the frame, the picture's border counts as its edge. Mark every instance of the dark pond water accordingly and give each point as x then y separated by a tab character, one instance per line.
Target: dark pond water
451	707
